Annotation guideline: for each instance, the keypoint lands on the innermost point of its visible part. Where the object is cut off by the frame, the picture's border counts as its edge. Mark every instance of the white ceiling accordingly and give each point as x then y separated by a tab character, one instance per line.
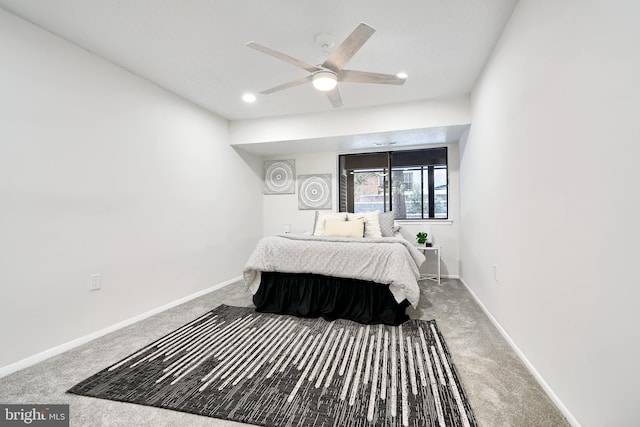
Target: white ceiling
196	48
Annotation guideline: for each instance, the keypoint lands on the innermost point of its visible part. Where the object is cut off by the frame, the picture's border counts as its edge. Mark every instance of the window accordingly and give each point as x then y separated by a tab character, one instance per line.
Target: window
411	183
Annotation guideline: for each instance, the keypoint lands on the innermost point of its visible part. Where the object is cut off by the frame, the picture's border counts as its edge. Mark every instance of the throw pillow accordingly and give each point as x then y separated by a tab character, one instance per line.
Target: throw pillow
386	224
371	222
318	225
344	228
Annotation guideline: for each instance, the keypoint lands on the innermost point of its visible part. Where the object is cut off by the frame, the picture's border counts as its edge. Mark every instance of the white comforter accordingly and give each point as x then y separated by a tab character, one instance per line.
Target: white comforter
388	260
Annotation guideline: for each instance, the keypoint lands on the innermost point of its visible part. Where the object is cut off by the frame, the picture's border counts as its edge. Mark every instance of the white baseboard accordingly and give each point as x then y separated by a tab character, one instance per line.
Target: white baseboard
37	358
554	398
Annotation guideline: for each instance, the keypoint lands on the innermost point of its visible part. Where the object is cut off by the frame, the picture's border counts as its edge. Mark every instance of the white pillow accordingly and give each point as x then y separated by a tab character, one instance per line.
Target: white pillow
386	224
371	222
344	228
318	229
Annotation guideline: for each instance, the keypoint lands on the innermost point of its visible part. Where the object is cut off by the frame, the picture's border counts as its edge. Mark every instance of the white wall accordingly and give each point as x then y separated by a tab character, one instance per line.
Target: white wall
280	209
549	178
102	172
389	118
283	208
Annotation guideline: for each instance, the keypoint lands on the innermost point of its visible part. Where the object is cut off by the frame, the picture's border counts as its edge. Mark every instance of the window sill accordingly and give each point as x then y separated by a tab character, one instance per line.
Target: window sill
425	221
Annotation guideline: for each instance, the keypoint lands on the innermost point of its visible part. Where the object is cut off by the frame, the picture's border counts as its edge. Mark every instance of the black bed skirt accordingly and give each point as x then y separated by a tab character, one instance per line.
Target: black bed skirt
311	295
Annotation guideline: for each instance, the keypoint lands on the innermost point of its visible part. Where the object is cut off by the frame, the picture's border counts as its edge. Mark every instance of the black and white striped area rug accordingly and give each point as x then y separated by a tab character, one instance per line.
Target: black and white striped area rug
273	370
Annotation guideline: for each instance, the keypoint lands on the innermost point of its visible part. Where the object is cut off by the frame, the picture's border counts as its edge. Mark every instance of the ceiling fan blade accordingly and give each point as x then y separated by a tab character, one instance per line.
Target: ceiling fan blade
349	47
334	97
367	77
284	57
294	83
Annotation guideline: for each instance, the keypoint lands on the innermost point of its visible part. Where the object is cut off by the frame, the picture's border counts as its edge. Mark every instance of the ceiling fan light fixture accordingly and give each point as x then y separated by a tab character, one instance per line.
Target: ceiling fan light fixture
325	80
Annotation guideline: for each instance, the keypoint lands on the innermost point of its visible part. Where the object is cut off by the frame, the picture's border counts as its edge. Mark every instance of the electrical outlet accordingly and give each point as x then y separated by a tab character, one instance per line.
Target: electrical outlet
95	282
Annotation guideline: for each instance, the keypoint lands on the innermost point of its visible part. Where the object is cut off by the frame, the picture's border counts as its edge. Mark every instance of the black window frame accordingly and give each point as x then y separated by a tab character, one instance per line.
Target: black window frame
423	159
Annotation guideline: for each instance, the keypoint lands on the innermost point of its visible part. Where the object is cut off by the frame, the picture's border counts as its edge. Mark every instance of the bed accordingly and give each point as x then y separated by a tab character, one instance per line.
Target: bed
366	279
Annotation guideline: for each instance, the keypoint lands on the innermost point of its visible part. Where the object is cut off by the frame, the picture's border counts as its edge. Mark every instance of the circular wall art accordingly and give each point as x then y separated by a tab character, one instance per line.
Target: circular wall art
279	176
314	191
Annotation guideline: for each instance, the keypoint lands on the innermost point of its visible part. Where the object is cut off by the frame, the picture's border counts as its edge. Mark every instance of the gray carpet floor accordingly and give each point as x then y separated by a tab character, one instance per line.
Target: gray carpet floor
501	390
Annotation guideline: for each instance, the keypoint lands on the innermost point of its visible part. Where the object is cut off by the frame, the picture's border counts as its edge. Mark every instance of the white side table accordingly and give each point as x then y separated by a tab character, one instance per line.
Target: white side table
436	249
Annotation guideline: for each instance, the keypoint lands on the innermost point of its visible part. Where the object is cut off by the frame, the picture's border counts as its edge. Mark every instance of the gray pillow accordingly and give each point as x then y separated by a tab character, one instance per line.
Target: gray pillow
386	224
315	221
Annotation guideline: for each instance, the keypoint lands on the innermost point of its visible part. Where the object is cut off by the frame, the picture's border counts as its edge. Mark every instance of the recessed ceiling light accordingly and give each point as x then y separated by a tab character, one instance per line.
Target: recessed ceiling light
249	98
402	75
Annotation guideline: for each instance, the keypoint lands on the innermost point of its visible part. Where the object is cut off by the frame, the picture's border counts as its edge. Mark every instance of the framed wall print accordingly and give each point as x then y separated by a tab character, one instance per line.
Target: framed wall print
279	176
314	191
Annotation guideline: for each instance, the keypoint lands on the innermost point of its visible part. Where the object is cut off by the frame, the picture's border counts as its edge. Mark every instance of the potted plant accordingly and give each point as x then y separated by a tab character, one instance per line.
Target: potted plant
422	238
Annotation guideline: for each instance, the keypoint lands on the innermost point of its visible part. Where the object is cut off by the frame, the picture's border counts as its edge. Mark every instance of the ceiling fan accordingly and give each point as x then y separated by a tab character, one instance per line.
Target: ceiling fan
326	76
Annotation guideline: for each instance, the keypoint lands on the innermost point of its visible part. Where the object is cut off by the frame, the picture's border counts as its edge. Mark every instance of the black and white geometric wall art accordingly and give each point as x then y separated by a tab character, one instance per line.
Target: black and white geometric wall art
314	191
279	176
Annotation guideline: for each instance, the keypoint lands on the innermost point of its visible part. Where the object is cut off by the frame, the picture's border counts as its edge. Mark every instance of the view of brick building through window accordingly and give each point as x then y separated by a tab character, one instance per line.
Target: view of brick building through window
411	183
410	195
